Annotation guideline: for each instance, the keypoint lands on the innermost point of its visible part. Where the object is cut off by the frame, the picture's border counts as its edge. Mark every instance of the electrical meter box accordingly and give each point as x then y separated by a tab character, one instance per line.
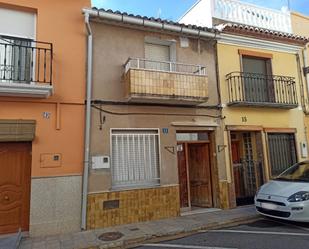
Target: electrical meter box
100	162
304	149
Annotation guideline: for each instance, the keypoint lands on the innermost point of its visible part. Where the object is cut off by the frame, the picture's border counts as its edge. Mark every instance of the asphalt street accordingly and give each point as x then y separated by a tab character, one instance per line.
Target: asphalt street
261	234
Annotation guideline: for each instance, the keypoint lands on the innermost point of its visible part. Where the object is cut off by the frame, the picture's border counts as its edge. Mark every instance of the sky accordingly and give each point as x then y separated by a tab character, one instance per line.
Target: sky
173	9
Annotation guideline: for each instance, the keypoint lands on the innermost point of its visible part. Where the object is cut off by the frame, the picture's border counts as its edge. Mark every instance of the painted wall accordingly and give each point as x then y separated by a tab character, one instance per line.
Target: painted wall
62	133
300	26
108	83
113	45
282	64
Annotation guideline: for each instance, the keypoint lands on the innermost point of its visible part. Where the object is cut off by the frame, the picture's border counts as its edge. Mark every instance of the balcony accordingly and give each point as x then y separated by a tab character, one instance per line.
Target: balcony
253	15
149	81
25	68
259	90
209	13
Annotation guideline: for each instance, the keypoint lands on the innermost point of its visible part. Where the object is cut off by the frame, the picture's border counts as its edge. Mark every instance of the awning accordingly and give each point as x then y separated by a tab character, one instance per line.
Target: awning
17	130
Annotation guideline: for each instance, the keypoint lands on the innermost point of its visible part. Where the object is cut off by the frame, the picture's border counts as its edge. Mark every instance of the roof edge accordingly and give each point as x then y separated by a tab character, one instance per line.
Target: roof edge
150	22
266	34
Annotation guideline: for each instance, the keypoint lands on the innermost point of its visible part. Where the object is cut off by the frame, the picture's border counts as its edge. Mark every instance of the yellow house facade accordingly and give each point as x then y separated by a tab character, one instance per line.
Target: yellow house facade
300	26
262	92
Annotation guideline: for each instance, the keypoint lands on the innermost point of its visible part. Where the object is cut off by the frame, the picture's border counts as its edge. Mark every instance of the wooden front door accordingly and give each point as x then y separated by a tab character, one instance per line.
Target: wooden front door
15	177
200	175
237	170
182	174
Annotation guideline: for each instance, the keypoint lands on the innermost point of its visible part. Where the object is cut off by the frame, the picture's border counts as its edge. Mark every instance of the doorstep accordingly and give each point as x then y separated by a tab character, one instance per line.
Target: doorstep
199	211
125	236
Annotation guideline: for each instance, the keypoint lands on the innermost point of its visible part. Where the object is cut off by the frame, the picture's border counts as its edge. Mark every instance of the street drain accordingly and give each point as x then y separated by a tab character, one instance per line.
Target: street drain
110	236
134	229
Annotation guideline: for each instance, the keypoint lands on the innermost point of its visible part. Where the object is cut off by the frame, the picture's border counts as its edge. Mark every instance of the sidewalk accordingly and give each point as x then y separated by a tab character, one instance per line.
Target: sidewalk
133	234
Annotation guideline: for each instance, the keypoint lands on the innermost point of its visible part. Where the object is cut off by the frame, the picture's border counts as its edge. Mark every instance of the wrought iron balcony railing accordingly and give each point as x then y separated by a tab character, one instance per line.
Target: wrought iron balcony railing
252	89
25	61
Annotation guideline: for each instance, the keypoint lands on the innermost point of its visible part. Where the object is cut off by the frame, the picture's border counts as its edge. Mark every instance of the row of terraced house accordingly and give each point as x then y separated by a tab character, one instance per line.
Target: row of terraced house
108	118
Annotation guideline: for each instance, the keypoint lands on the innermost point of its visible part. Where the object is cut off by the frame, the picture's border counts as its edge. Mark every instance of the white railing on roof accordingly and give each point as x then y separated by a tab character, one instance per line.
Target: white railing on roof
164	66
249	14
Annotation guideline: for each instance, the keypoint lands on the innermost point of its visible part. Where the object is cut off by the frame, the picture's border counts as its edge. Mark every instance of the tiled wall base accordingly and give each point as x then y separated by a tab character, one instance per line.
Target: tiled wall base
123	207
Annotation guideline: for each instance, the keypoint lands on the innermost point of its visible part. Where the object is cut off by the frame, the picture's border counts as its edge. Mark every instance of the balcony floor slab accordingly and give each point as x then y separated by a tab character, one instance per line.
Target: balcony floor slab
31	90
262	105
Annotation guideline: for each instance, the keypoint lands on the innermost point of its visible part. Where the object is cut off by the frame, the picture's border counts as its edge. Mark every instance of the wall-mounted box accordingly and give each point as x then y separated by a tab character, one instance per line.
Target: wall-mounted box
100	162
304	149
50	160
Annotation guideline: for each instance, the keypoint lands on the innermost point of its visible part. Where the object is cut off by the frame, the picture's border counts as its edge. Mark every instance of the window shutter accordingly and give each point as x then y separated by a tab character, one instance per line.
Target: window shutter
17	23
157	57
157	52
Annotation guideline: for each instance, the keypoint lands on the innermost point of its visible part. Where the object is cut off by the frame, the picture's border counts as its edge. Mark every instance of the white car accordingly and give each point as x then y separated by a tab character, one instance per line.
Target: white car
287	196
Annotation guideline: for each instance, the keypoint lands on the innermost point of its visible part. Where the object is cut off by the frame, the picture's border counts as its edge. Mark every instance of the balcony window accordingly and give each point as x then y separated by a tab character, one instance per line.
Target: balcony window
260	90
15	60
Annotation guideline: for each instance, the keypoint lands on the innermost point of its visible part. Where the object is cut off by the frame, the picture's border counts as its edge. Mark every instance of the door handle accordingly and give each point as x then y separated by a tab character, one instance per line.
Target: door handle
6	198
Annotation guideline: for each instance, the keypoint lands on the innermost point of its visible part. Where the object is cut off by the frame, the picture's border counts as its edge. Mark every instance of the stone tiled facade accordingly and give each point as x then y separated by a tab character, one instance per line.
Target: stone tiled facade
132	206
177	85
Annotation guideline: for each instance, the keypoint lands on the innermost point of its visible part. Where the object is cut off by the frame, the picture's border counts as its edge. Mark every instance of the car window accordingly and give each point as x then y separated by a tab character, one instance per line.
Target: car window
298	172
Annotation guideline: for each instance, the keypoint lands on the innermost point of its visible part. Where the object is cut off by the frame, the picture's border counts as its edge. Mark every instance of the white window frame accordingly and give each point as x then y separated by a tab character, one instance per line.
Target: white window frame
135	186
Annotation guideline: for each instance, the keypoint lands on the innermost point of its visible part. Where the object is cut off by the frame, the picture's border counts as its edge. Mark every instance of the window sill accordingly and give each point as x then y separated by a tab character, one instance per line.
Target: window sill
128	188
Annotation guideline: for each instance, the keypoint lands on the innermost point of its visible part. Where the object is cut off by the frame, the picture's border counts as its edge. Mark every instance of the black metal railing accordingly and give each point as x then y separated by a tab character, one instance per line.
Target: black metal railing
25	61
259	89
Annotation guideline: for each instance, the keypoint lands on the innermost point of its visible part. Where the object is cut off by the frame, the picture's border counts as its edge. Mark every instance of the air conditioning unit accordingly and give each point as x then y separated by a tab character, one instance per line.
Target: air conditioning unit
100	162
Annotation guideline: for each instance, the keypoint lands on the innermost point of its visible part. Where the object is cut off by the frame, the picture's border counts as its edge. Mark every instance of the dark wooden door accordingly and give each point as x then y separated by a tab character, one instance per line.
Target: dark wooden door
15	173
200	175
182	175
235	152
237	169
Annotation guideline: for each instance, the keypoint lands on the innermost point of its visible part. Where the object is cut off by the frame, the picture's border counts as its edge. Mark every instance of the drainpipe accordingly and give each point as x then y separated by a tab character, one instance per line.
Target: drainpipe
87	124
305	58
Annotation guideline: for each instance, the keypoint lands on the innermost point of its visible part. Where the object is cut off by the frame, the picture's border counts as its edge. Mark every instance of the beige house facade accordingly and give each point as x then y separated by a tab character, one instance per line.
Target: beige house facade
186	118
156	135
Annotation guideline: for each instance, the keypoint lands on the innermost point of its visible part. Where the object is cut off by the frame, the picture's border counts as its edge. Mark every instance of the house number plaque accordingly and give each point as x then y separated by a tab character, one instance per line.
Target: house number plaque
244	119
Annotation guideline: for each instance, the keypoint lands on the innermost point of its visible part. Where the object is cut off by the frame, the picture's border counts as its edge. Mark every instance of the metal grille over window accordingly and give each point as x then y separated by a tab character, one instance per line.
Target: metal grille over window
282	152
135	158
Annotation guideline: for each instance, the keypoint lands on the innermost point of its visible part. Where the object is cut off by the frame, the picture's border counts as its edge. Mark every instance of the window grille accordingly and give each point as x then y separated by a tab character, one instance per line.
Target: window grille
282	152
135	158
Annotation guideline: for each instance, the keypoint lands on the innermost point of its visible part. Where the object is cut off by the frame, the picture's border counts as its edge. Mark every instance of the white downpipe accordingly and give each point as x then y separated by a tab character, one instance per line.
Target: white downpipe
87	125
148	23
